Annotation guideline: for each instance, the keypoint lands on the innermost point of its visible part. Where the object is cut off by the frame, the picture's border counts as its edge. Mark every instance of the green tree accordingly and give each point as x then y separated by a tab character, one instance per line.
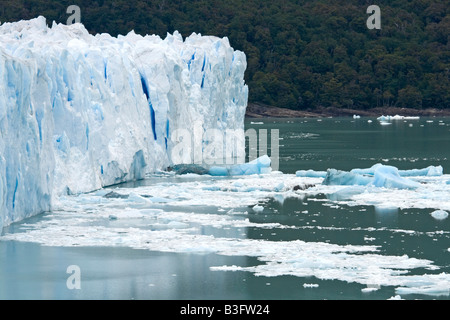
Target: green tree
410	97
300	54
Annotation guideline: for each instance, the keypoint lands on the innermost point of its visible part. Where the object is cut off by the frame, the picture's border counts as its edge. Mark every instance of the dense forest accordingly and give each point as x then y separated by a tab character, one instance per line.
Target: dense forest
301	54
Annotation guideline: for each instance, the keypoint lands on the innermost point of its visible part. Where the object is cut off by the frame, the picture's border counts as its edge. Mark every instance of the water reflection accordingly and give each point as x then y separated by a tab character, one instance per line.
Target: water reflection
387	216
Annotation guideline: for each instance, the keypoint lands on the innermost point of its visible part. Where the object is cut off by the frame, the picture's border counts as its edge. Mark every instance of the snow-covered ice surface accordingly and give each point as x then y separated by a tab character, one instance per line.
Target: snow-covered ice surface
79	112
170	214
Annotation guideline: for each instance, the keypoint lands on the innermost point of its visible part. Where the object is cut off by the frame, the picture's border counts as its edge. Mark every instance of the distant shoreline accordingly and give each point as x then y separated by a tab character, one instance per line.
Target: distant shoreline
258	111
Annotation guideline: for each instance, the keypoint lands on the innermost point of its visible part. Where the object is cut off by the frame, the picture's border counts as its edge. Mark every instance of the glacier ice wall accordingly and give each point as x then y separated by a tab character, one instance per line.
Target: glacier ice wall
79	112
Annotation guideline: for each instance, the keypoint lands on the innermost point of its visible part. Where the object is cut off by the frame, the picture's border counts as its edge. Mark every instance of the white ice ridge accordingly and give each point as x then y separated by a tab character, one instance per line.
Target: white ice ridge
79	112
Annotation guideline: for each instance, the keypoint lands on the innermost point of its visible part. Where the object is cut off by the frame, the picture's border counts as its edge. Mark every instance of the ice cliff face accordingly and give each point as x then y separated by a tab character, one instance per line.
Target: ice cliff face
79	112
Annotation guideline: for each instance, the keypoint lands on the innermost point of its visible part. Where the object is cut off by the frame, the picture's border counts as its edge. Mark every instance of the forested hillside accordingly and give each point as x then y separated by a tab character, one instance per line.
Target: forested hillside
301	54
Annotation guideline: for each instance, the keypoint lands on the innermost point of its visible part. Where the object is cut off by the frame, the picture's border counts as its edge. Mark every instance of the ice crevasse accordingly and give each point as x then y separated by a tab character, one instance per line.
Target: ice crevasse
79	112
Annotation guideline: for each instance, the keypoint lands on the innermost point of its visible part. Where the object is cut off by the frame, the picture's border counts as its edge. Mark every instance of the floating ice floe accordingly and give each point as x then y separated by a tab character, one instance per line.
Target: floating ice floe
257	166
396	117
383	176
379	176
431	171
311	174
129	218
310	285
342	178
258	208
179	232
391	187
439	214
389	177
396	297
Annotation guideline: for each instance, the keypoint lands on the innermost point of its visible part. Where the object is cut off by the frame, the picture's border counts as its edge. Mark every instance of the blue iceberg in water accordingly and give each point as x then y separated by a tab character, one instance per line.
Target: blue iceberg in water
368	171
342	178
389	177
379	176
311	174
396	117
431	171
258	166
354	176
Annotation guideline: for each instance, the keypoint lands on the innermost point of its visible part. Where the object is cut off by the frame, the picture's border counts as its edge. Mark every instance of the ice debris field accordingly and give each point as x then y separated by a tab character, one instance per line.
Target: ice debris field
174	213
79	113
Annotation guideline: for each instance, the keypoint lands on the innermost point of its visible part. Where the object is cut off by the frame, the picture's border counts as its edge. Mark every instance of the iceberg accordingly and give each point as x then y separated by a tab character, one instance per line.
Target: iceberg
389	177
79	112
311	174
258	209
431	171
337	177
257	166
439	214
368	171
380	176
396	117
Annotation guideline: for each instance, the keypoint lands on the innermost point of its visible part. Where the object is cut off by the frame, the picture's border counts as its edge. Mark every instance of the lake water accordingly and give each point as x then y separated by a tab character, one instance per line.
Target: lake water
193	237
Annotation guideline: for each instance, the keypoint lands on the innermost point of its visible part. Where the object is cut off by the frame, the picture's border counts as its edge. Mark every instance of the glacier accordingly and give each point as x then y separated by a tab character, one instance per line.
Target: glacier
79	112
